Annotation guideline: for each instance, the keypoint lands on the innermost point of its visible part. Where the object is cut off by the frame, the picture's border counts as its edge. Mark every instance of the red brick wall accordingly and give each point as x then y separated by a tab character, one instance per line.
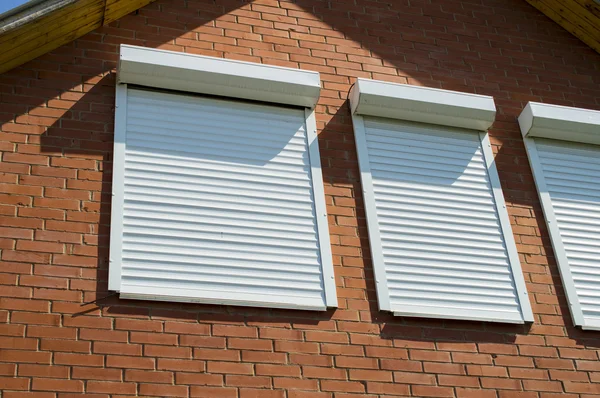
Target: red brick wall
56	115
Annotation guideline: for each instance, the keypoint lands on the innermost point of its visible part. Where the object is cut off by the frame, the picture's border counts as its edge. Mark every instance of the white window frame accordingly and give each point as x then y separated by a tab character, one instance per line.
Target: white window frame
440	107
565	124
237	80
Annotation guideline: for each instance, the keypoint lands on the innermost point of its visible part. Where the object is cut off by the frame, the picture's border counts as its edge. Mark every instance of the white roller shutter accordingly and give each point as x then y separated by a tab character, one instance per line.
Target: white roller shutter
568	180
219	204
440	235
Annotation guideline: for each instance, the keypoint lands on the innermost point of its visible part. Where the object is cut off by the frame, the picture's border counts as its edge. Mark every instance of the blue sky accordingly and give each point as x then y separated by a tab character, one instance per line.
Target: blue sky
6	5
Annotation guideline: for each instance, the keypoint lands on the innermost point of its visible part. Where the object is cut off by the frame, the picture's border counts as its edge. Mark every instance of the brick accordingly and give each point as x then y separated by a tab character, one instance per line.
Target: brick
168	352
534	351
587	365
13	383
311	394
56	385
115	361
387	388
25	257
583	388
290	346
356	362
458	381
51	332
264	357
16	356
501	384
432	356
325	337
61	358
24	305
248	381
111	387
26	159
56	294
291	383
65	346
44	281
255	393
210	392
504	360
276	370
370	375
247	344
187	328
324	373
117	348
577	354
432	391
216	354
18	343
551	363
568	375
200	379
542	385
342	386
161	390
444	368
17	233
280	334
206	341
234	331
60	204
520	373
386	352
476	393
181	365
483	359
102	335
96	374
8	369
153	338
313	360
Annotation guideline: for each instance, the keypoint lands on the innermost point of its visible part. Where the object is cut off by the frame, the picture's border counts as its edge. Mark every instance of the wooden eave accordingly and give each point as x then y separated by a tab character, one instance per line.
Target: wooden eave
581	18
41	35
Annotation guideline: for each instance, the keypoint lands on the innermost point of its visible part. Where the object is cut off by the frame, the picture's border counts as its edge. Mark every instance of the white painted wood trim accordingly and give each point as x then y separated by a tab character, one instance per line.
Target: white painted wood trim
509	238
320	209
118	189
552	225
383	295
217	76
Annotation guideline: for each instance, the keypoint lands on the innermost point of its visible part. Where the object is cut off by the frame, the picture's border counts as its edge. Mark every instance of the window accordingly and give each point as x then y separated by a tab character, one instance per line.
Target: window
218	200
441	241
563	146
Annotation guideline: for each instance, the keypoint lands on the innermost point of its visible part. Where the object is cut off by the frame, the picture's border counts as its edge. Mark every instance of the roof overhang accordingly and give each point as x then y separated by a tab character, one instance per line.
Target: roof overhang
40	26
581	18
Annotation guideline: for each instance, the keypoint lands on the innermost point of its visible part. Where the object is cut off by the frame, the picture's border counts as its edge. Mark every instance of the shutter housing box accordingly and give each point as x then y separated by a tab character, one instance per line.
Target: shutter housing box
217	76
422	104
